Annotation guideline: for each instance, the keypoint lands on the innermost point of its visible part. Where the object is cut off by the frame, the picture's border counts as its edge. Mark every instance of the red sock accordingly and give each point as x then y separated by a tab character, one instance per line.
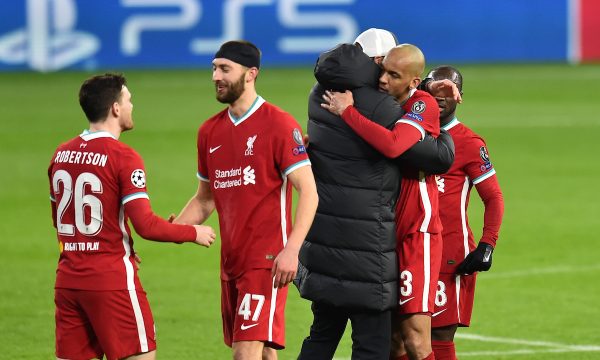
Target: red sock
444	350
431	356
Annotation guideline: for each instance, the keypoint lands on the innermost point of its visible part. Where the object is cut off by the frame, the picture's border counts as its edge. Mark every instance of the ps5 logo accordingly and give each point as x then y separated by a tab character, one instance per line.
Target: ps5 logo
291	14
49	42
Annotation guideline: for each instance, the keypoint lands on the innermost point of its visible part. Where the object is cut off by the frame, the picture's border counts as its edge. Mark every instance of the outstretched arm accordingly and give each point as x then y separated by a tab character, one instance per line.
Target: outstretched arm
152	227
199	207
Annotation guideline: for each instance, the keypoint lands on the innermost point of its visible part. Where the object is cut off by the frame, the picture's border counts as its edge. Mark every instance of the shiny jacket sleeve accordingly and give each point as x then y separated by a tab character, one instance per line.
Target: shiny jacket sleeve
431	155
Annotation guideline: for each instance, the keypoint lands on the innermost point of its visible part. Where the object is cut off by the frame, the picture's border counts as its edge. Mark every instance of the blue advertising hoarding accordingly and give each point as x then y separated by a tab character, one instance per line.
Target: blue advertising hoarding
50	35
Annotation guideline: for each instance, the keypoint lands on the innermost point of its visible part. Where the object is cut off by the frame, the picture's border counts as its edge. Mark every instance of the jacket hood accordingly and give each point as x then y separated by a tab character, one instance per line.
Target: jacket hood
346	67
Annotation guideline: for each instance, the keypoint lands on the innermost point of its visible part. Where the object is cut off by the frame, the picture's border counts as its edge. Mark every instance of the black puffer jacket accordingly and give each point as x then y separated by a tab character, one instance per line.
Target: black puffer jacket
349	256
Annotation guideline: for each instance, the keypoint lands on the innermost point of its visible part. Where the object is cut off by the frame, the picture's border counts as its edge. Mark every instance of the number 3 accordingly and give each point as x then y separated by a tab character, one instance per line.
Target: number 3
406	280
81	202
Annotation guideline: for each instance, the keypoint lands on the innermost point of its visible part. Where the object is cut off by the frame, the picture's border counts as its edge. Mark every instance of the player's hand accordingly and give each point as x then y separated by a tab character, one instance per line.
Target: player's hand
306	140
479	259
285	267
171	218
337	102
444	88
205	235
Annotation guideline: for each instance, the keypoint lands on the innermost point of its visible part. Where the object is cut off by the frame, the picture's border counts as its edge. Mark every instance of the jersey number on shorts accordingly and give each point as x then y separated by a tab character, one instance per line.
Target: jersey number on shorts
81	201
245	310
440	294
406	283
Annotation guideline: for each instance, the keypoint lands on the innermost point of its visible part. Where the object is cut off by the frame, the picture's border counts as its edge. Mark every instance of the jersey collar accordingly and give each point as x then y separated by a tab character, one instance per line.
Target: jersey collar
451	124
411	92
255	105
91	135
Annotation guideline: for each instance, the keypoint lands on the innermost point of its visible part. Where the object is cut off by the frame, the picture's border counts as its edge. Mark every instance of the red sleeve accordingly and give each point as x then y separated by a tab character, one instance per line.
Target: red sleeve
480	170
132	176
288	144
391	143
490	193
422	112
151	227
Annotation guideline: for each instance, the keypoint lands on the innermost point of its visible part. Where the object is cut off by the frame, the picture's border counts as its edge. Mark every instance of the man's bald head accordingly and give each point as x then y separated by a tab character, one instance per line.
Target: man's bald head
402	69
411	56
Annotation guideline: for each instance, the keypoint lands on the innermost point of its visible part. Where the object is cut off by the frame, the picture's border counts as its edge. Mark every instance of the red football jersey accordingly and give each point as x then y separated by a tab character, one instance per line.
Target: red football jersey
246	160
417	208
91	178
471	166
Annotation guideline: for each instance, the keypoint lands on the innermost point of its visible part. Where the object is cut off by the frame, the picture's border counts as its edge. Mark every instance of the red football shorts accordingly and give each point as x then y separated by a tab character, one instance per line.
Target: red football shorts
115	323
454	300
253	310
419	259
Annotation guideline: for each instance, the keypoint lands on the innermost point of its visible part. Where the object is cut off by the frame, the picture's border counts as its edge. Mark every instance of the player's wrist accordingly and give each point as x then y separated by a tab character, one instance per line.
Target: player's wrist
293	246
347	112
425	85
485	243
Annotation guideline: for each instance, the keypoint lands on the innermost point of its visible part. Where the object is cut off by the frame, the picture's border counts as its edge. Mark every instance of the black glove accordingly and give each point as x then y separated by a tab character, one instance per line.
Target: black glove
479	259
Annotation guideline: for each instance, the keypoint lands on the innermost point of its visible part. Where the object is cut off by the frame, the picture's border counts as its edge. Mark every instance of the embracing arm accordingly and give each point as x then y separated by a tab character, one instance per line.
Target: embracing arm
441	88
390	143
433	156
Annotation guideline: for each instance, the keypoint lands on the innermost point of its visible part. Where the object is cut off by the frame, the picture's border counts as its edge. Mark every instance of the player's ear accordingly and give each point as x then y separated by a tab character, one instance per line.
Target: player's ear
115	109
251	74
415	83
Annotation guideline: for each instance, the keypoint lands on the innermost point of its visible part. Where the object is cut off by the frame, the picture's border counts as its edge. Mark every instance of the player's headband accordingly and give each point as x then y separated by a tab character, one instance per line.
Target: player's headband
241	52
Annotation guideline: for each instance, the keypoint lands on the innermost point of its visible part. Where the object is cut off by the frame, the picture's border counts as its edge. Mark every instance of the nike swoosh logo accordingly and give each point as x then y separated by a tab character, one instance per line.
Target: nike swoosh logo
402	302
212	150
486	256
246	327
437	313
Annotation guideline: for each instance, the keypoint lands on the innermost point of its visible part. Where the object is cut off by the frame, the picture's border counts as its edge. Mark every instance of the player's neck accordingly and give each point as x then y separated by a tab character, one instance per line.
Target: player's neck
110	125
404	97
243	103
447	119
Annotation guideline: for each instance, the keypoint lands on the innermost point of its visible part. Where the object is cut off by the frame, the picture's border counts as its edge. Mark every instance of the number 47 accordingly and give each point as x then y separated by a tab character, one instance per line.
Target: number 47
245	310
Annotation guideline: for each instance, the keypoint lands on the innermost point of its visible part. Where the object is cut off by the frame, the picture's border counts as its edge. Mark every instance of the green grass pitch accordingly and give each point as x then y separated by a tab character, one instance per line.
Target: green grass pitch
542	126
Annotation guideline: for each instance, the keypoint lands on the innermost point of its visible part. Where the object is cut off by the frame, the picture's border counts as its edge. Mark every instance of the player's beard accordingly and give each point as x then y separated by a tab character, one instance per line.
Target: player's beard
233	91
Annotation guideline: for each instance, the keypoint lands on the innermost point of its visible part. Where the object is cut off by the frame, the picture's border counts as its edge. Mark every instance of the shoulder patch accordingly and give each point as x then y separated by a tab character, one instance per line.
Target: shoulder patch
297	135
418	107
138	178
484	154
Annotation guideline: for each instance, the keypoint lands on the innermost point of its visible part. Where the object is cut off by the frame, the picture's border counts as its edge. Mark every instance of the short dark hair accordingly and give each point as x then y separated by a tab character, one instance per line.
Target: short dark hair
447	72
98	93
